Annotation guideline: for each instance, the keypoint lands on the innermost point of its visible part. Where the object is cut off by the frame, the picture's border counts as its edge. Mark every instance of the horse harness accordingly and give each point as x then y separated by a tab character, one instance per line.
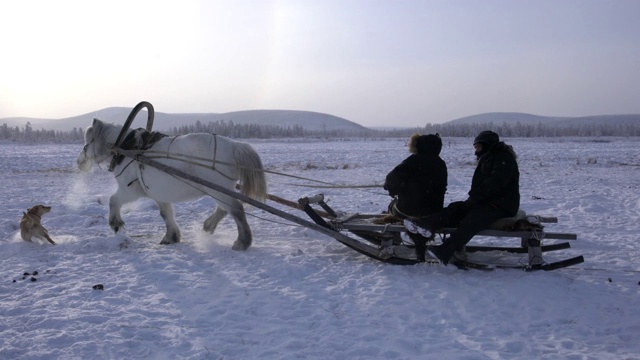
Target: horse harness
149	138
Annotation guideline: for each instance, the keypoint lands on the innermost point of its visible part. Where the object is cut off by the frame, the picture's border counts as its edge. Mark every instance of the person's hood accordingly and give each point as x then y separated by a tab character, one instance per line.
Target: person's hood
425	144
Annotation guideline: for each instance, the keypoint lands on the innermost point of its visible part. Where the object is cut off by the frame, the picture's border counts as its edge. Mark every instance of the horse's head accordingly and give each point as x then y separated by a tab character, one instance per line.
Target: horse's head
96	148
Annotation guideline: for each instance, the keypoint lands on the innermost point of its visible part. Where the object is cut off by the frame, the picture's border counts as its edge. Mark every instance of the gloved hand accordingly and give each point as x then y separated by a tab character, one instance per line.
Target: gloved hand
474	200
459	205
393	184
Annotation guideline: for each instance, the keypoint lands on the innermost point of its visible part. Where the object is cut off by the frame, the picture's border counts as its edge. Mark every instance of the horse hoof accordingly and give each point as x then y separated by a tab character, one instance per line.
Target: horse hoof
116	226
238	246
207	230
167	242
207	227
170	240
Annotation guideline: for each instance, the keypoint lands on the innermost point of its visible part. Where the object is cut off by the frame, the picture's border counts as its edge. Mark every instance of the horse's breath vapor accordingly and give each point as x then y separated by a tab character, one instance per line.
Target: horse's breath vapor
77	192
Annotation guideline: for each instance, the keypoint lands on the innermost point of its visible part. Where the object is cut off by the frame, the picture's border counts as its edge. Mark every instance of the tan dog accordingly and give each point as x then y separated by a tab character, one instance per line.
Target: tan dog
30	225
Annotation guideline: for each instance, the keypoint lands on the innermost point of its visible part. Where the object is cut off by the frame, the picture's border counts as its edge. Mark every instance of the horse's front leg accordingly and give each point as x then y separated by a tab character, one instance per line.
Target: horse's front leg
115	219
173	232
121	197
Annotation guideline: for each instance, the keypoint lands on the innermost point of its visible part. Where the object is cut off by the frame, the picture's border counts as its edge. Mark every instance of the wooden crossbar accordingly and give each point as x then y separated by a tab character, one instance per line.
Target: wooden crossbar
544	219
488	232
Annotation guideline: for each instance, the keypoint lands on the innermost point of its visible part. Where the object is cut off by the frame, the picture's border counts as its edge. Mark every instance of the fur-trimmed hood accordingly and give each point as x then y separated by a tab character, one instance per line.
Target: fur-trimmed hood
425	144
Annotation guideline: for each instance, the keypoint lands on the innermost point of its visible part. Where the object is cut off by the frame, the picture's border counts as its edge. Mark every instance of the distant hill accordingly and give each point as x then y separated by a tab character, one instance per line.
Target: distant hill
528	119
308	120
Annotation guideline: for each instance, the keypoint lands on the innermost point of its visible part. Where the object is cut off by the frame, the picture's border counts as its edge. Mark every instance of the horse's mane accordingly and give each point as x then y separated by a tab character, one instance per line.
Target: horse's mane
140	139
105	132
133	139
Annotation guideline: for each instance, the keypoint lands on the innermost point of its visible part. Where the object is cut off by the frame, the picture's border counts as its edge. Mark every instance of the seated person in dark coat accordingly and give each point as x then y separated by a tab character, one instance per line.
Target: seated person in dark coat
418	183
494	194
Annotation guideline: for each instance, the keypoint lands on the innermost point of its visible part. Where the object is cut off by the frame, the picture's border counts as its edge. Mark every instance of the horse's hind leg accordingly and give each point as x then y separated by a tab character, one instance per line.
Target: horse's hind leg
243	242
212	222
173	232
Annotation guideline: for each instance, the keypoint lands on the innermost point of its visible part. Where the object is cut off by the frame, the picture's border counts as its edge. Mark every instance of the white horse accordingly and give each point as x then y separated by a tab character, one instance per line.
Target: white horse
214	158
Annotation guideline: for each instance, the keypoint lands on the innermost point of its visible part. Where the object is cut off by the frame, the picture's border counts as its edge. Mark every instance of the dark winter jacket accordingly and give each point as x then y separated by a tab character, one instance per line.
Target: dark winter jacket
420	181
496	180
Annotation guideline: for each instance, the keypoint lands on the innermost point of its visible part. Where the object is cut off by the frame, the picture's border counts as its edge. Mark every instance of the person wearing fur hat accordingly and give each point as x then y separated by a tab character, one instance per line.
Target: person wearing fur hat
418	185
419	182
494	194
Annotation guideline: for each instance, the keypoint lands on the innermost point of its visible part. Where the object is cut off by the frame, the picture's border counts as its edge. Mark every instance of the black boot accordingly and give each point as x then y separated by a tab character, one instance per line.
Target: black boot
438	252
421	245
446	256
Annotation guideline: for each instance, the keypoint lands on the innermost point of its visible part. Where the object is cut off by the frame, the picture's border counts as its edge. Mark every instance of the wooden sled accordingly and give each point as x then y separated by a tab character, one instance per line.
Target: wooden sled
528	228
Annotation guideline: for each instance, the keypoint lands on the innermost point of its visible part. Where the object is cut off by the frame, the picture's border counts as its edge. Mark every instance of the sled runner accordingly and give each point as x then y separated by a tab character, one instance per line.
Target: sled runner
386	243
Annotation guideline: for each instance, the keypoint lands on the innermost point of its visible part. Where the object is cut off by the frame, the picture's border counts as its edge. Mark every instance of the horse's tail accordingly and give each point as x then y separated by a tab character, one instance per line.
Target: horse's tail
253	181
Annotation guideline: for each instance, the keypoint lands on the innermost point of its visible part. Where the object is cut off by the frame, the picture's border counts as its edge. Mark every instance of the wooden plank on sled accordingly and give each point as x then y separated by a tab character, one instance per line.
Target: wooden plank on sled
544	219
488	232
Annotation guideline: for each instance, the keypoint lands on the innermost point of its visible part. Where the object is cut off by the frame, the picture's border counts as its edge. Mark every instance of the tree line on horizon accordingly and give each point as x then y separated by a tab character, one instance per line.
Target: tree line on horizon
261	131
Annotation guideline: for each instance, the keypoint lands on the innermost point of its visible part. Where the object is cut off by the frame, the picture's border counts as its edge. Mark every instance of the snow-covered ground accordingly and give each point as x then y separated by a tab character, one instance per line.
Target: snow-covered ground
299	294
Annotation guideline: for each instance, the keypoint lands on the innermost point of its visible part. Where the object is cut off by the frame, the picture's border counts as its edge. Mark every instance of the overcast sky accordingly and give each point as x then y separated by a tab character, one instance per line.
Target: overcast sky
377	63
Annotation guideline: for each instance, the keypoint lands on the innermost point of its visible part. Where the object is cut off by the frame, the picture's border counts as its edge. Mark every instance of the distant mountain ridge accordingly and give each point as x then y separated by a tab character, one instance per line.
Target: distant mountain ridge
555	121
308	120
